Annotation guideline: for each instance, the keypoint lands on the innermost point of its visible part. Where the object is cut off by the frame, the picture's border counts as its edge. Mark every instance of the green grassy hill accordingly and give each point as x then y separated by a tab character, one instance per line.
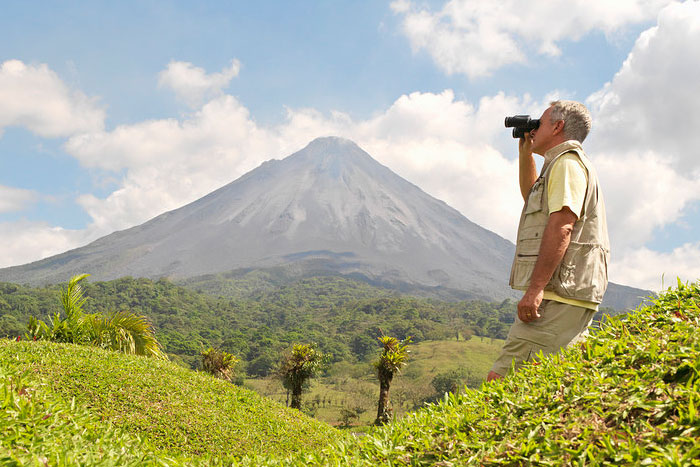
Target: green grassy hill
178	412
630	395
627	396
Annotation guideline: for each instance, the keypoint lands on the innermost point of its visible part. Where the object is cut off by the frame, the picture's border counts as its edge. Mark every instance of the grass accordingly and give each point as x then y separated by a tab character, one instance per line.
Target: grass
630	395
179	412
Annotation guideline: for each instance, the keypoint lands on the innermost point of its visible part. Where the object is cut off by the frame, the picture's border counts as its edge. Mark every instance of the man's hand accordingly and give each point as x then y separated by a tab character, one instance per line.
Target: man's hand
528	170
529	304
525	145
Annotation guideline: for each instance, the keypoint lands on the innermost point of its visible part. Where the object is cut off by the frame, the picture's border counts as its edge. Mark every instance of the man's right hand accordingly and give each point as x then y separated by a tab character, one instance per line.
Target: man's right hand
525	145
528	170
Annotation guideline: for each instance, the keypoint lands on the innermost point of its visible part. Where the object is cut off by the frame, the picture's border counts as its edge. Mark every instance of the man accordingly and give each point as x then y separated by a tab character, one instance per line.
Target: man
562	249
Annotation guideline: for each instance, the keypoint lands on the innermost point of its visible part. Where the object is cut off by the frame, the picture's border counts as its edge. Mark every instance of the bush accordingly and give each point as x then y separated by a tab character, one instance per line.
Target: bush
218	363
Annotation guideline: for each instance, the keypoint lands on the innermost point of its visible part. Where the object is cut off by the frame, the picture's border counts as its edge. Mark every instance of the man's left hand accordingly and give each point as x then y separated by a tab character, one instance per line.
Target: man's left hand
529	304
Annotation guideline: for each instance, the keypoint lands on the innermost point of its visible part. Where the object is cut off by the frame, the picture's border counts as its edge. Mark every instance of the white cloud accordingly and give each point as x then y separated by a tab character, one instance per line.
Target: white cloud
652	102
650	269
193	85
25	241
643	142
34	97
15	199
443	145
475	38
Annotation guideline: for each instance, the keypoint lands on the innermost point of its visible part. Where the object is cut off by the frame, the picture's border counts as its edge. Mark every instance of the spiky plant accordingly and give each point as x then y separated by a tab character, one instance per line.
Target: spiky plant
393	358
124	332
219	363
297	367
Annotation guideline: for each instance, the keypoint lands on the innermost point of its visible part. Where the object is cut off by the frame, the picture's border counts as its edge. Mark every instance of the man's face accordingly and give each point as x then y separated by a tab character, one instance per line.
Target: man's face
543	137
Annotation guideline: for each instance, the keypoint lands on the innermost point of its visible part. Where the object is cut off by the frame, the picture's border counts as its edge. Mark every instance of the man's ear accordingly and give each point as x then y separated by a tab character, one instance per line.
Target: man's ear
558	127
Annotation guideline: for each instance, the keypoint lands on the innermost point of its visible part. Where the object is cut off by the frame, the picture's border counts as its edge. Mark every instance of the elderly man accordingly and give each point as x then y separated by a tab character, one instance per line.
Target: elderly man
562	249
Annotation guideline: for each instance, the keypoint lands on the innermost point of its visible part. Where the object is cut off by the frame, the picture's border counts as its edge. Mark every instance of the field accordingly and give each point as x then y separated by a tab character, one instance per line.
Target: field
350	389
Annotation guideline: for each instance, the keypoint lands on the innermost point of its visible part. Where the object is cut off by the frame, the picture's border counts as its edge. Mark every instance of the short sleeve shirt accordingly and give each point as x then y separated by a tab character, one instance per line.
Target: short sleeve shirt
567	185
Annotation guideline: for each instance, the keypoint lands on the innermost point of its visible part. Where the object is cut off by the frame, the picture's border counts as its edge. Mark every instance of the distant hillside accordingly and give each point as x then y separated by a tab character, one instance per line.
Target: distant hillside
628	396
342	316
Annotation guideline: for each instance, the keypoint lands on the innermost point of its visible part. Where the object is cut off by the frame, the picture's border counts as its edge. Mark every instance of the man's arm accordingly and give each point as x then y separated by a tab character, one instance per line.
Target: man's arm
528	169
555	241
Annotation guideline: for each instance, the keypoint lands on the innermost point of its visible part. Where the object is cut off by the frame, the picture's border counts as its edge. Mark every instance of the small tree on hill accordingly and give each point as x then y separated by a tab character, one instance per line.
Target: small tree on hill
218	363
297	367
393	358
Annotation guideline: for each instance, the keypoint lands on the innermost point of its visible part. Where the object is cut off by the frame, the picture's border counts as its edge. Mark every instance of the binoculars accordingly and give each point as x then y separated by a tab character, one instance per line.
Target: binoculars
522	124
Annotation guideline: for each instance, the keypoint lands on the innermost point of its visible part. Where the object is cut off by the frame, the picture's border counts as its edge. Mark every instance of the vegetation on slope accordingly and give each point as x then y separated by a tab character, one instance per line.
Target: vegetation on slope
343	317
179	412
629	395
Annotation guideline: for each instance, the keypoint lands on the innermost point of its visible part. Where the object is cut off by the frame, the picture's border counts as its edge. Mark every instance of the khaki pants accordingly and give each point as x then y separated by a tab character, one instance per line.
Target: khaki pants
560	325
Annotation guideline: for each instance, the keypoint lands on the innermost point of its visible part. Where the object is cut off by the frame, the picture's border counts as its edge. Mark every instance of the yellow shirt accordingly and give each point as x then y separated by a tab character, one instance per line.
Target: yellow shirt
567	187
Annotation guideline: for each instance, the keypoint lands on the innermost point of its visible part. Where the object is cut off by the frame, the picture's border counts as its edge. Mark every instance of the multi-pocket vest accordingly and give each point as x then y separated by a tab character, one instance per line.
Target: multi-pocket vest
583	272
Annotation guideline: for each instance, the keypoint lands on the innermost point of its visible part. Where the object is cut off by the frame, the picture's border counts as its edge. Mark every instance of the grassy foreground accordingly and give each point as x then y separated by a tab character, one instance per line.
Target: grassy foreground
58	395
630	395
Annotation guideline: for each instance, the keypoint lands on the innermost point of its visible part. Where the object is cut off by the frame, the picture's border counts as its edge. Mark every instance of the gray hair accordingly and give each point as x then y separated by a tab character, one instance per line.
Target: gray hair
577	119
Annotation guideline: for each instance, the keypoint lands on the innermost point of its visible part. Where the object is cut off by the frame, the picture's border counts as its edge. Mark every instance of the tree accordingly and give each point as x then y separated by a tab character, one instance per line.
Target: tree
297	367
122	331
393	358
219	363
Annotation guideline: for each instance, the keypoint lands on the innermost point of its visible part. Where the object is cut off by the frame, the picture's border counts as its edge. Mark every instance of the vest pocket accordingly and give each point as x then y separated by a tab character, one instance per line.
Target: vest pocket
583	272
522	270
534	199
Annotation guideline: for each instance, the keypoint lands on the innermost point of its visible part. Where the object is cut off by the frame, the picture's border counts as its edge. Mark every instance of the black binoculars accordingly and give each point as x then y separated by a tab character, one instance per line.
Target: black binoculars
522	124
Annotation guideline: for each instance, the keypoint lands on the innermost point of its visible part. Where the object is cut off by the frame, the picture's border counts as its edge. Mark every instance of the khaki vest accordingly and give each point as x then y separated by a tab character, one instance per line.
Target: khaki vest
583	272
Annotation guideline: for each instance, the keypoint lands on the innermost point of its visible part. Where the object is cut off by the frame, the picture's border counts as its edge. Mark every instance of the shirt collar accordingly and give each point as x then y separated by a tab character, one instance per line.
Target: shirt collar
560	148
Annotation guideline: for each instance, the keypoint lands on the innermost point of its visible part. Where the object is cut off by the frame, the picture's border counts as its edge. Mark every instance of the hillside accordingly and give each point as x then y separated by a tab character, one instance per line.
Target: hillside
179	412
342	316
628	396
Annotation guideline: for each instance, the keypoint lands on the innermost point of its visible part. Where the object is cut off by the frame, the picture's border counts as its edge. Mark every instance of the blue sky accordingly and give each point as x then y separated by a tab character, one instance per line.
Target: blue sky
113	112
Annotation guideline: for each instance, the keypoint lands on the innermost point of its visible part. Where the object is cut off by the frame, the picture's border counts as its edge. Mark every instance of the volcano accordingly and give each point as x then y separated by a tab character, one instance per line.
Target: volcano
329	208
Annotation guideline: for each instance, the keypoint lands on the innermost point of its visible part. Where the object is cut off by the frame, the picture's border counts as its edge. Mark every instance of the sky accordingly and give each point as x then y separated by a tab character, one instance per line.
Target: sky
114	112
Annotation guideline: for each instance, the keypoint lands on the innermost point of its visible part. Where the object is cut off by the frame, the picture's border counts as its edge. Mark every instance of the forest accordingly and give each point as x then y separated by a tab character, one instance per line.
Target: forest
343	317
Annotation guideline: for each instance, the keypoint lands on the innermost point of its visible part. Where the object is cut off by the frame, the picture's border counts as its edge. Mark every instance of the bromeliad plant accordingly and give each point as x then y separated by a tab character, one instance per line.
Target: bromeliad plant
122	331
393	358
297	367
219	364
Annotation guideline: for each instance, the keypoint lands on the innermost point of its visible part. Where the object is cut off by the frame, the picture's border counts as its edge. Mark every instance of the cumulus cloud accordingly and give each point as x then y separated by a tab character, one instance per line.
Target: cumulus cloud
15	199
643	140
193	85
25	241
34	97
652	102
653	270
475	38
